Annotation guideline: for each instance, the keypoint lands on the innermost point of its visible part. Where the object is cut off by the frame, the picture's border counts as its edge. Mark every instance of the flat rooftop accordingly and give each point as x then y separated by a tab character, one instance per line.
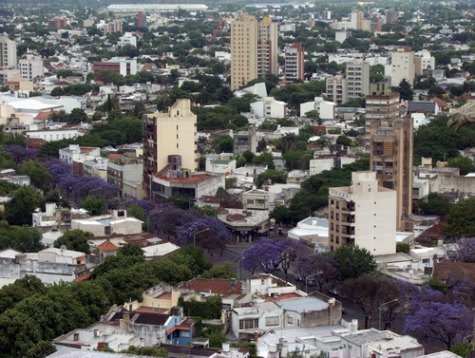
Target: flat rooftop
303	304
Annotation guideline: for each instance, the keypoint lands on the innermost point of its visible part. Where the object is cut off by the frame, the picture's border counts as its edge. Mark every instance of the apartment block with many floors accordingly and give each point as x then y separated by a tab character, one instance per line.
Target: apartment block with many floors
363	214
254	49
294	62
357	79
402	66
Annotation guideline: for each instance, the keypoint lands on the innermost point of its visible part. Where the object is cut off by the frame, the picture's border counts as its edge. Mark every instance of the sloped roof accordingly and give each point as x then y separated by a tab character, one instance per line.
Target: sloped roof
42	116
451	270
107	246
421	106
441	103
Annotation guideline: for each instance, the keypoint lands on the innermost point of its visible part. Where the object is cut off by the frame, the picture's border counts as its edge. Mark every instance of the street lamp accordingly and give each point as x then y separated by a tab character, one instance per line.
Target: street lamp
240	269
306	280
384	304
90	191
198	232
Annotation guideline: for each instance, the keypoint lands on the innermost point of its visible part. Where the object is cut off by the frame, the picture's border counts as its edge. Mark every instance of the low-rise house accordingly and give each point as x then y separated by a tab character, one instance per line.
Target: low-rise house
56	217
122	169
245	225
374	343
116	222
220	163
312	232
269	108
98	336
257	199
50	265
278	314
75	153
231	291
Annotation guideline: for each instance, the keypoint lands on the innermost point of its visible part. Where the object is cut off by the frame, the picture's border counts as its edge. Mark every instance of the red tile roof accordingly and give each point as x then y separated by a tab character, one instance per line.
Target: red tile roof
439	102
450	270
84	277
42	116
113	156
108	246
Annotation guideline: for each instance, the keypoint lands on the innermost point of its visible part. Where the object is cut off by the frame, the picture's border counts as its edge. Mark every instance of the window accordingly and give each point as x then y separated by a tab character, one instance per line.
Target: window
290	320
426	261
272	321
248	323
185	334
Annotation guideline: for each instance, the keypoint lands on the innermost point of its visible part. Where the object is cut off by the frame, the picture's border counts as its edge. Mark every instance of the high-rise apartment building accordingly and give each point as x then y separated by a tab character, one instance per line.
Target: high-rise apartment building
336	89
294	62
389	141
267	47
357	79
31	67
356	19
254	49
363	214
57	23
169	140
423	60
381	104
8	58
113	26
391	16
402	66
141	18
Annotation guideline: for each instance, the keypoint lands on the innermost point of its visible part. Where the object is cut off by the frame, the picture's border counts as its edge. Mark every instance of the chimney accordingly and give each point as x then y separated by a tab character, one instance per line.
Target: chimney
256	336
76	337
126	320
331	303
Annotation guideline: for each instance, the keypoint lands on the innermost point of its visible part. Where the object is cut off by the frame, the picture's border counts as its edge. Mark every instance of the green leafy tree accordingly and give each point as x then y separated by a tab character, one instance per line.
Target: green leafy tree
94	206
75	240
130	249
77	116
224	144
38	174
405	90
465	164
146	351
20	238
353	261
275	176
226	271
433	204
264	158
401	247
19	210
343	140
315	116
461	349
437	285
461	219
281	214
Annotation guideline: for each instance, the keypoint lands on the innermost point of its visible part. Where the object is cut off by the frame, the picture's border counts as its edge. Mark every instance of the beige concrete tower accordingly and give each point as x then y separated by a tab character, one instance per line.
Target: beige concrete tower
402	66
362	214
169	135
254	49
244	37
